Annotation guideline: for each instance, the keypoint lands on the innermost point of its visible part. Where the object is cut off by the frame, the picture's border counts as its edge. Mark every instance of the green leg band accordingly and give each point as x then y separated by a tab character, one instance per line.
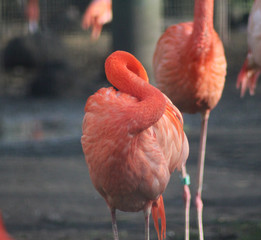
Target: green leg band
185	180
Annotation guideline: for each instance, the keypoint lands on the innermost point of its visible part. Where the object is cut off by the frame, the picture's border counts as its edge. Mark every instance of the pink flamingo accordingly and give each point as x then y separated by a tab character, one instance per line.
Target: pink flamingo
133	140
251	69
32	13
3	233
98	13
190	68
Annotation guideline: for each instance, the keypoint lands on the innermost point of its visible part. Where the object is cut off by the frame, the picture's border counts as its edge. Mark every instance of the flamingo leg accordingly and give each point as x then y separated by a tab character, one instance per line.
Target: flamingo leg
187	199
147	222
114	224
33	26
201	162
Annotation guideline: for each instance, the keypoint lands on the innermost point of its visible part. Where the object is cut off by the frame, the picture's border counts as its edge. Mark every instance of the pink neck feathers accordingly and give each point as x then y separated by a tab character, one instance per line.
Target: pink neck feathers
203	22
127	74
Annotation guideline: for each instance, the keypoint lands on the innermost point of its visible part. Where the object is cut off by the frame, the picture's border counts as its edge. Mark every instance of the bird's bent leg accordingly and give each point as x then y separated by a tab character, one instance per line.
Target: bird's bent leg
187	198
114	224
147	222
201	162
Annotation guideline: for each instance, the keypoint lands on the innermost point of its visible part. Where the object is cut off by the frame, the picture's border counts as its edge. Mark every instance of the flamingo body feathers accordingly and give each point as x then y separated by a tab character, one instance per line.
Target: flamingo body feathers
141	164
251	69
191	72
190	67
132	139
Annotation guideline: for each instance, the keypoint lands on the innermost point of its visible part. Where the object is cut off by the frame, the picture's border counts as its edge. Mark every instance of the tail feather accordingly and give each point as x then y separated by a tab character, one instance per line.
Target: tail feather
247	78
158	211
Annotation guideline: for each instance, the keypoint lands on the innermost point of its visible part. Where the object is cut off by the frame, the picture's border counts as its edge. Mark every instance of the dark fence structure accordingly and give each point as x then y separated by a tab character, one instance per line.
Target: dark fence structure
62	50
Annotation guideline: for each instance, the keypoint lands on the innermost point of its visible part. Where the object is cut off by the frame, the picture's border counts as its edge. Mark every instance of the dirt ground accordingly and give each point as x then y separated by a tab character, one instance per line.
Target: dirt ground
46	192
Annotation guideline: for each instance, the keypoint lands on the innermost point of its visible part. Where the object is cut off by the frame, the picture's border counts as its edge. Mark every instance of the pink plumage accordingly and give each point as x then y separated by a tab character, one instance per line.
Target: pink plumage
3	233
251	69
190	68
133	138
98	13
32	10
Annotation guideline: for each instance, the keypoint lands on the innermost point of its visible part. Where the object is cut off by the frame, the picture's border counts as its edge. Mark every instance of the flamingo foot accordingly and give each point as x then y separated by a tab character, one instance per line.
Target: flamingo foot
199	205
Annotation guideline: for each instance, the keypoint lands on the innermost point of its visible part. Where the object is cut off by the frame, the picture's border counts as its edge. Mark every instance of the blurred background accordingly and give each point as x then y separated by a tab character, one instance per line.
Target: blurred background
46	76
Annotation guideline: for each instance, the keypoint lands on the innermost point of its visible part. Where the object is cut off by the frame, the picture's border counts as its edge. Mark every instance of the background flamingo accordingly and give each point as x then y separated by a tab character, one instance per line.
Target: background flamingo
190	68
3	233
98	13
251	69
32	13
133	140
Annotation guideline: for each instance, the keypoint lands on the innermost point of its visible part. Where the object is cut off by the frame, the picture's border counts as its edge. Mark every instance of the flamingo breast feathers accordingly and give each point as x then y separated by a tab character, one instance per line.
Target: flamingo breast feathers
126	166
193	79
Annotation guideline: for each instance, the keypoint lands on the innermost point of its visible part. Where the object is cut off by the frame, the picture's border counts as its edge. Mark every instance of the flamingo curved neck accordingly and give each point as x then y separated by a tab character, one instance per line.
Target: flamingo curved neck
127	74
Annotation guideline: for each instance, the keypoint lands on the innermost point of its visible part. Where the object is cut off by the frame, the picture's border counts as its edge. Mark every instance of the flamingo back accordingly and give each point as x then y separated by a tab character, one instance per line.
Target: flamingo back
191	76
129	169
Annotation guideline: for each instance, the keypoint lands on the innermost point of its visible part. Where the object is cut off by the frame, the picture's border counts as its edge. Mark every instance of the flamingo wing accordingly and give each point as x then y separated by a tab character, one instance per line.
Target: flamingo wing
193	81
145	160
